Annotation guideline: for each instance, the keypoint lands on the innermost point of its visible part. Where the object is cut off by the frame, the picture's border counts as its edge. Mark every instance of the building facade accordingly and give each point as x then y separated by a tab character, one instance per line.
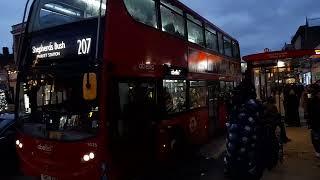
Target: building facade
308	37
16	32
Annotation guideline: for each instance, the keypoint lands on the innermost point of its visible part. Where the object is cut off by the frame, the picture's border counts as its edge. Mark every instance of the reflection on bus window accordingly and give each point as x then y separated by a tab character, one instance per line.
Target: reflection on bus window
137	108
53	13
222	85
198	94
174	93
143	11
50	15
235	50
227	46
229	86
220	42
195	32
52	107
172	19
134	93
211	39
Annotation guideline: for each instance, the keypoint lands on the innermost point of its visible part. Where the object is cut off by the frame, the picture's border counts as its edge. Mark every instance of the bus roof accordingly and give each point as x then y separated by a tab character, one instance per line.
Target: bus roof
193	13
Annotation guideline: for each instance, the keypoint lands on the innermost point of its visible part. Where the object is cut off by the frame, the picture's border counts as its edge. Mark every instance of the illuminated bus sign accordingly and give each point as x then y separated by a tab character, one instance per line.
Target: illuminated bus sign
68	47
175	72
52	49
71	43
317	52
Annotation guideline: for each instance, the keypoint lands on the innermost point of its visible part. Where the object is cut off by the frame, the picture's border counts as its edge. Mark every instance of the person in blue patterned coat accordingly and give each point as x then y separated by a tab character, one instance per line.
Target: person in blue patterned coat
243	158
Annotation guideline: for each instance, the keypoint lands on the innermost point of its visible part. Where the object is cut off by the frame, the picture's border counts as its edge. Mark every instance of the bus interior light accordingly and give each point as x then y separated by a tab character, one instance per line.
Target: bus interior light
96	4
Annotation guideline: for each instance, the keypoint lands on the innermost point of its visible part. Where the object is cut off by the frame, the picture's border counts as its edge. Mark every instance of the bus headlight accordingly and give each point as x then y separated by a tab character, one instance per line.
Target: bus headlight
19	143
91	155
88	157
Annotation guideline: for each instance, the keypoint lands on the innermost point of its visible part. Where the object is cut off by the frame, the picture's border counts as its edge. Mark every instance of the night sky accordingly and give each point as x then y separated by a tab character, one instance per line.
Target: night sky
256	24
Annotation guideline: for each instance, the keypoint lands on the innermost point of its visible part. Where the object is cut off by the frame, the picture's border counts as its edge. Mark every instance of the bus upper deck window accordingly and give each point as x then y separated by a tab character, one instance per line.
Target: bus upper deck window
54	13
143	11
195	32
211	39
172	19
220	42
227	46
235	49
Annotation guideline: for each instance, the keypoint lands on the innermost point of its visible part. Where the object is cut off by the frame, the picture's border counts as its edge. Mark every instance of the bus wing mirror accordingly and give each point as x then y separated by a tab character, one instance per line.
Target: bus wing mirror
89	86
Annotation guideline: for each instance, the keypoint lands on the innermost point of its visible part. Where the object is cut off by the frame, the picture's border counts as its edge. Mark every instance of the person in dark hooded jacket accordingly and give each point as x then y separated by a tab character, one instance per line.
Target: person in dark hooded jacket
314	118
243	158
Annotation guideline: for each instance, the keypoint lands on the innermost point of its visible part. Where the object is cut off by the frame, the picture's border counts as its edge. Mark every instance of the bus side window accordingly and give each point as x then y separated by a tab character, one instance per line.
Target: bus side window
227	46
195	31
198	94
211	39
220	42
137	107
172	19
143	11
174	94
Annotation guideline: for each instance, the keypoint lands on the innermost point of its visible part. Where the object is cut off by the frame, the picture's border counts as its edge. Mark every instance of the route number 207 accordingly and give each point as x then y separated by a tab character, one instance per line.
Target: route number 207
84	46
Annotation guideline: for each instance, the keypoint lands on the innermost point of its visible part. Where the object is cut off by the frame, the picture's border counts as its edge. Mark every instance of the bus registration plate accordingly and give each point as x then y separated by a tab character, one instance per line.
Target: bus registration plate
46	177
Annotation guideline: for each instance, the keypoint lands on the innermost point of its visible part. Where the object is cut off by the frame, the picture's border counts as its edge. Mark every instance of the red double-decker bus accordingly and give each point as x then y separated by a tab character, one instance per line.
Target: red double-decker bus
106	87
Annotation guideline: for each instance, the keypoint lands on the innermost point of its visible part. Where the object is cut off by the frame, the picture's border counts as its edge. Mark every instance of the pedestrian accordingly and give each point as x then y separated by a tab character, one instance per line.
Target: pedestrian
271	121
279	101
293	109
314	119
243	155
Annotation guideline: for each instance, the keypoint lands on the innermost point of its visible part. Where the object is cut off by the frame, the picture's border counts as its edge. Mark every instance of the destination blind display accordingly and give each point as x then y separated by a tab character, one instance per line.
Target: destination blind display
73	42
51	50
62	48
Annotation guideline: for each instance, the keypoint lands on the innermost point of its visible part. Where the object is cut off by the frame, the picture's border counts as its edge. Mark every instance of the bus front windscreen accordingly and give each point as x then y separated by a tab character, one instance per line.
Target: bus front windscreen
49	13
52	107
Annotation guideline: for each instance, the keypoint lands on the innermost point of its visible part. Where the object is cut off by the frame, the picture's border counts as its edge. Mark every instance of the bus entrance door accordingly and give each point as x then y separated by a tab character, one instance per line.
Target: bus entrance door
213	110
133	128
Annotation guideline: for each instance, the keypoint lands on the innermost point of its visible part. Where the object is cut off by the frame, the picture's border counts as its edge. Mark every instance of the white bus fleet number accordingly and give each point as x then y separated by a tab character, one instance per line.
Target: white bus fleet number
84	46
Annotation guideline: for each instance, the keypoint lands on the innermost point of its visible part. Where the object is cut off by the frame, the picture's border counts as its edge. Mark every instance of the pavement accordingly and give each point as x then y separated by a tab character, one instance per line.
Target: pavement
300	162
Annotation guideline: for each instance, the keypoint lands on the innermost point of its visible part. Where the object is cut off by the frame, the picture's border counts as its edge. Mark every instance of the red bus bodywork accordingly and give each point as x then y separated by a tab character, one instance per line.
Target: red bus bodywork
131	49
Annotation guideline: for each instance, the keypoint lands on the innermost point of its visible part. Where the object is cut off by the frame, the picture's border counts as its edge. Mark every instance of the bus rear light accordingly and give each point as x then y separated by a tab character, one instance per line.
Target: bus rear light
17	142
